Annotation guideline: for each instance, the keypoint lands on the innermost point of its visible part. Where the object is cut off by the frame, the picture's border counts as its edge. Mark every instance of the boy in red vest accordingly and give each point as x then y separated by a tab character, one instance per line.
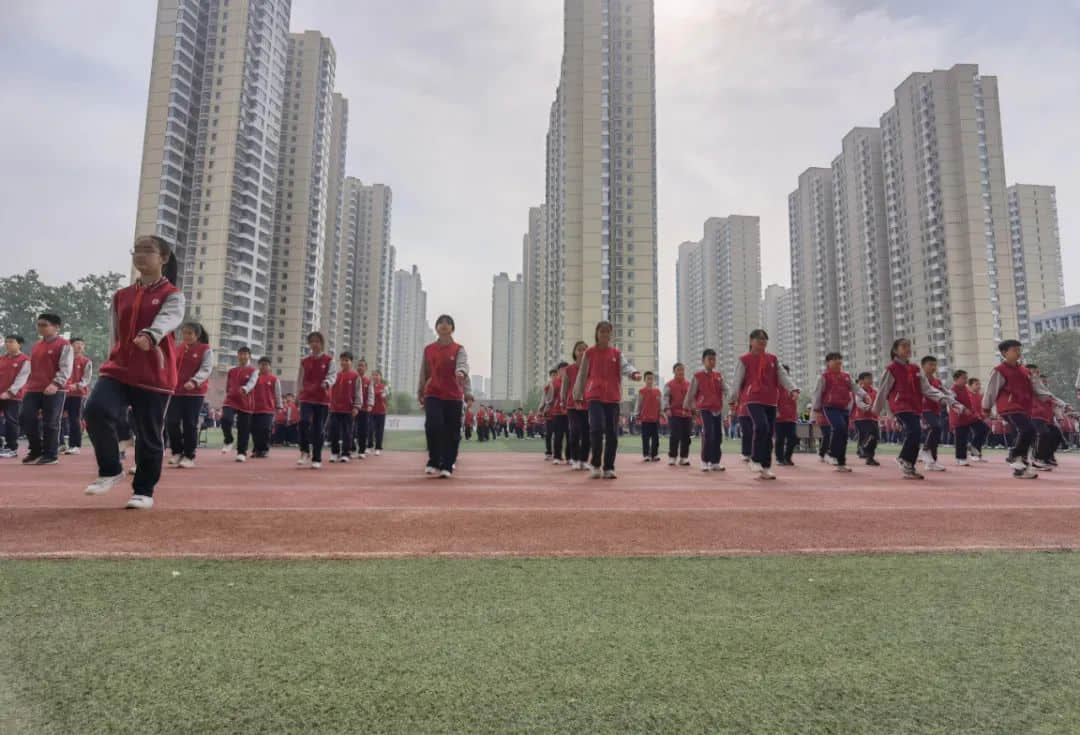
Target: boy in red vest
560	423
787	417
705	396
979	430
444	380
834	395
265	402
239	382
963	422
14	372
345	396
1045	411
1010	392
380	394
318	371
546	401
866	421
931	415
194	363
678	417
77	388
759	381
50	367
647	412
363	401
470	418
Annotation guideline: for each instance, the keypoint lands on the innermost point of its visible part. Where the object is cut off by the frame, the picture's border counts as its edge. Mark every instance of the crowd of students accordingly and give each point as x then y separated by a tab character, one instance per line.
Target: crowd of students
151	385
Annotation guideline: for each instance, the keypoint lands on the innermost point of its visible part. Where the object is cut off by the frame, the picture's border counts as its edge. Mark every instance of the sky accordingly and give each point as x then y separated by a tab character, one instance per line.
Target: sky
449	105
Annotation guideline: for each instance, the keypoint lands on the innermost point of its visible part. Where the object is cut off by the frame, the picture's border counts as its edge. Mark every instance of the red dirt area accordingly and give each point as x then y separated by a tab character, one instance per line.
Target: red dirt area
517	505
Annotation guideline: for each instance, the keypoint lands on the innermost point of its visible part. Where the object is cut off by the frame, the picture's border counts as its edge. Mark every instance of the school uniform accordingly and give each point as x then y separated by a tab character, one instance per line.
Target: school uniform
867	424
380	394
759	380
1011	391
674	397
647	413
317	375
343	396
292	422
77	389
599	384
194	363
545	408
14	372
902	388
787	415
265	401
50	364
834	395
979	430
138	381
239	382
1042	416
577	413
362	400
931	414
706	396
470	418
442	392
560	424
962	422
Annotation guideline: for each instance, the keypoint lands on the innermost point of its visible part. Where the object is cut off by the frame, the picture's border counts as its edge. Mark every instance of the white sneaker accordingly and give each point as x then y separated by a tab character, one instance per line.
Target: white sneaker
646	459
832	461
73	450
766	474
446	474
925	458
706	467
718	467
227	448
935	467
186	463
962	463
684	463
842	468
1026	474
595	473
103	485
174	461
671	461
429	470
755	467
744	458
821	458
316	465
333	459
378	452
304	461
344	459
362	455
609	475
8	454
556	461
1041	466
1019	465
241	458
140	502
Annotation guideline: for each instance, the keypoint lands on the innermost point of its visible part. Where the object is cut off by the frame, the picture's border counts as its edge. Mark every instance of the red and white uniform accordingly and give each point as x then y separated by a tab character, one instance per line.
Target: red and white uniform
380	394
239	382
343	392
266	395
317	375
82	369
156	311
675	396
193	364
439	374
14	372
647	406
50	362
706	392
600	376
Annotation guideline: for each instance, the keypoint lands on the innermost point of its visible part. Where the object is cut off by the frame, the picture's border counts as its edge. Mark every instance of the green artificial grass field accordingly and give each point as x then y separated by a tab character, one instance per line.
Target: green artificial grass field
966	643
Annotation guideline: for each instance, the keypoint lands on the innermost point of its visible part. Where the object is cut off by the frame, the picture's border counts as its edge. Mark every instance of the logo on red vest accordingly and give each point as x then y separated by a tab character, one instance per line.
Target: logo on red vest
155	302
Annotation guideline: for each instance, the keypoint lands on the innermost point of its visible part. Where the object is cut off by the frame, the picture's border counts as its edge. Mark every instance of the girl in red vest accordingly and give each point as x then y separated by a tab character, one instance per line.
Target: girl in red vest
380	394
867	423
1045	410
705	397
962	422
979	430
265	402
759	381
787	416
647	412
599	383
444	373
560	424
194	363
139	374
318	371
931	413
363	401
902	388
678	417
51	362
834	395
77	389
547	400
345	393
577	412
14	372
239	382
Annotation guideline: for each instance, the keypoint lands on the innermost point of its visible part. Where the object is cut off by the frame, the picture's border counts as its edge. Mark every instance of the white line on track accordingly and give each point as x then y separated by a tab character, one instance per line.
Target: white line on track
566	509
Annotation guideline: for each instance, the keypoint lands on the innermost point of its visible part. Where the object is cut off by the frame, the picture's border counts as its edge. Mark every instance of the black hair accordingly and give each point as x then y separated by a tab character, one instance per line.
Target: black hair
759	334
264	359
346	355
602	323
709	352
316	334
972	381
1031	366
786	368
199	330
562	365
647	373
927	358
170	268
573	352
51	318
957	373
448	319
676	366
17	337
1008	344
73	340
865	375
245	348
833	356
896	343
553	371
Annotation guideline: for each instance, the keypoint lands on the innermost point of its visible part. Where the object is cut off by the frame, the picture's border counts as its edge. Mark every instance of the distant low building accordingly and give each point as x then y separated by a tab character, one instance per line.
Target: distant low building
1067	317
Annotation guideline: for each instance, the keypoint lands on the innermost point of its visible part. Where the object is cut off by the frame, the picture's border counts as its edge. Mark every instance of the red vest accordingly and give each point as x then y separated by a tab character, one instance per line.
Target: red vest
1042	409
978	398
1016	395
9	369
292	413
837	390
379	409
710	391
78	372
604	381
281	416
44	362
557	406
442	382
570	379
343	392
677	389
189	359
468	416
760	384
316	368
929	405
906	394
136	307
861	414
366	393
650	405
786	410
235	381
263	395
967	400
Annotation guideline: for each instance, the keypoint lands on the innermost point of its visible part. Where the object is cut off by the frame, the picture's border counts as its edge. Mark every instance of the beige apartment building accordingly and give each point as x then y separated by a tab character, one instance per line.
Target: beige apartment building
953	291
542	332
691	313
778	321
366	233
864	294
1038	276
298	269
508	340
412	331
336	276
211	148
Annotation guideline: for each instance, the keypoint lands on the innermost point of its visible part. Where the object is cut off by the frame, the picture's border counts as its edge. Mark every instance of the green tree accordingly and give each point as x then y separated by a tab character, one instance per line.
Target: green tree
1058	356
86	311
22	298
536	394
403	403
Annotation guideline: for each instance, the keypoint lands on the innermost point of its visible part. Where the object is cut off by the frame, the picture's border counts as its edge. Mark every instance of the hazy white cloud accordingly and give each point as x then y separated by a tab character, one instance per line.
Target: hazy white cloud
449	102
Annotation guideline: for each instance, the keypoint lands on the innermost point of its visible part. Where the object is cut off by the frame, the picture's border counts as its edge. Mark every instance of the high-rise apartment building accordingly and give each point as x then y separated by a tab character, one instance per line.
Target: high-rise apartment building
811	223
542	328
508	342
601	179
776	319
1038	276
951	270
337	277
211	150
718	290
411	330
366	234
863	289
299	264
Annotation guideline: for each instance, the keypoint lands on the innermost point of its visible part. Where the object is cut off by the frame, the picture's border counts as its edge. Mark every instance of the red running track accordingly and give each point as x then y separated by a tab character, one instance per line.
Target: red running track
516	505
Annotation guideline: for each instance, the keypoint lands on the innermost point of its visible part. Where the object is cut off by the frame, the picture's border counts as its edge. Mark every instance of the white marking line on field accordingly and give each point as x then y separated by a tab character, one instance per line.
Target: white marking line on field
735	551
561	509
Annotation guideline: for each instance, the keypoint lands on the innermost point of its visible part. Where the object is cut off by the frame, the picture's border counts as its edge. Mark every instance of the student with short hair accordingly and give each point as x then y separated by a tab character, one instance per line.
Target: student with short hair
962	422
361	409
14	372
867	423
345	395
240	383
759	381
444	379
194	364
51	362
705	397
679	417
380	394
787	417
265	402
834	395
1045	409
547	400
931	415
77	389
647	412
318	371
560	423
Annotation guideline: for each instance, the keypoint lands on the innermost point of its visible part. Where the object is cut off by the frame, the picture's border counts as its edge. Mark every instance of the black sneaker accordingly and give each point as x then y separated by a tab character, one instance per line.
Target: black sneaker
873	462
31	459
47	460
